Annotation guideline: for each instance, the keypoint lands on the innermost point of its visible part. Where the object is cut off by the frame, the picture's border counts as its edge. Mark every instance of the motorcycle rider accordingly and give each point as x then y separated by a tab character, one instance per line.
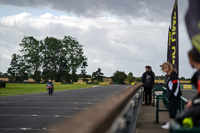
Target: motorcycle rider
50	84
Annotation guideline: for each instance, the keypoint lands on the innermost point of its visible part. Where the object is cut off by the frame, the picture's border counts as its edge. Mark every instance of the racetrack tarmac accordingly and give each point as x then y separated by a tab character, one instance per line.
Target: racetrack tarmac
189	94
33	113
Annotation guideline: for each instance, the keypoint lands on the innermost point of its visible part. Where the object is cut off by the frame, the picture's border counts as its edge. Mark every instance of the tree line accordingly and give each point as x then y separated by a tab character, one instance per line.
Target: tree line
59	60
51	58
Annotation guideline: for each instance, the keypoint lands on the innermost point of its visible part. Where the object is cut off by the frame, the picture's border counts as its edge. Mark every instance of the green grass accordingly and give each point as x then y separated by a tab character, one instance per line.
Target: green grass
20	89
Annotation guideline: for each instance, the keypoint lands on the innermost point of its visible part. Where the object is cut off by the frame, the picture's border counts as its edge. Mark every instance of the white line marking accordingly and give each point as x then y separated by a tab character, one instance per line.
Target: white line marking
13	115
41	108
23	128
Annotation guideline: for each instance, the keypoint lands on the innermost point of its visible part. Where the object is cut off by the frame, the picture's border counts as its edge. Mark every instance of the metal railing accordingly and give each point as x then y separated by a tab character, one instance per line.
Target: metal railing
117	114
181	105
164	99
174	126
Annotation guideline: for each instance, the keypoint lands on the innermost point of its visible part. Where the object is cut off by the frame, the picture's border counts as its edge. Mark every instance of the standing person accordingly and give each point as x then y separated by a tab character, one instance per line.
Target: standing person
173	89
192	110
150	68
148	81
192	20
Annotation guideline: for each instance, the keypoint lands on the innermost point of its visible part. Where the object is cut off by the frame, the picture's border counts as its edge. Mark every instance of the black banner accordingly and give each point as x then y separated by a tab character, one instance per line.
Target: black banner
192	20
174	37
169	51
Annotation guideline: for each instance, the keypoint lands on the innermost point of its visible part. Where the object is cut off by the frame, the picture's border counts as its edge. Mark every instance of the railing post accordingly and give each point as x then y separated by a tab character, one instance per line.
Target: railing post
157	109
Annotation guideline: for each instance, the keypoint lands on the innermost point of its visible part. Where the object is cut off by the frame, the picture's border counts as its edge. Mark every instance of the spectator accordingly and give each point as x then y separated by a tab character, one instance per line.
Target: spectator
192	20
173	90
148	81
150	68
193	106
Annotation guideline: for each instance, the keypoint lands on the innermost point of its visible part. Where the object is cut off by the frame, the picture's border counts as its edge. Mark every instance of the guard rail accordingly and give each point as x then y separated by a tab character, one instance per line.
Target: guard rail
117	114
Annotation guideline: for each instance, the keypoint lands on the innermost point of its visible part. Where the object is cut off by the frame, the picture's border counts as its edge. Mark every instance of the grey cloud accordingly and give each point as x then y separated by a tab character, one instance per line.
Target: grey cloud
109	43
154	10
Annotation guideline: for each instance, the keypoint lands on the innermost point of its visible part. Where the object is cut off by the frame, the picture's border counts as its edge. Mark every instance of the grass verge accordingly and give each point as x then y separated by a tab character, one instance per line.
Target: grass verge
20	89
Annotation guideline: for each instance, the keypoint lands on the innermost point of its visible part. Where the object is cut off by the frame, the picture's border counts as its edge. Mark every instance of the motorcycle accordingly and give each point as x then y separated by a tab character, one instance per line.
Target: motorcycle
50	89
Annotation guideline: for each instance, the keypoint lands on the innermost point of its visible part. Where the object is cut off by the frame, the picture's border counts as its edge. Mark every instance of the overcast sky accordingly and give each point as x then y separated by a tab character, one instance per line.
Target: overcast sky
122	35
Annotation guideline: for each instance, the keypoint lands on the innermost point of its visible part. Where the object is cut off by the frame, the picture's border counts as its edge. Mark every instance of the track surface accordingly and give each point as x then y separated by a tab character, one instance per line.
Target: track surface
189	94
35	113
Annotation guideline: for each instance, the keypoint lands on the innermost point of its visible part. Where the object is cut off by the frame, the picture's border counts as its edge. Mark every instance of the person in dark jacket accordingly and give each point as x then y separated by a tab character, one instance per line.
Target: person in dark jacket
192	19
148	81
192	110
173	89
150	68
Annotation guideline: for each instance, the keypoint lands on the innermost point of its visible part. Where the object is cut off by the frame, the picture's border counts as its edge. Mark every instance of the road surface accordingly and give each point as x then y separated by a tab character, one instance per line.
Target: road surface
35	113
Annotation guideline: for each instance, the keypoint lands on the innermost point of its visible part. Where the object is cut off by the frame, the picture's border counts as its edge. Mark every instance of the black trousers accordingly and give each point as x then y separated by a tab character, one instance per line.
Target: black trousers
173	104
148	95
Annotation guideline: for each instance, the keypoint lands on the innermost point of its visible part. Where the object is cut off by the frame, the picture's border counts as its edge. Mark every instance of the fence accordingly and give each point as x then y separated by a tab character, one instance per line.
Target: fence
175	127
187	86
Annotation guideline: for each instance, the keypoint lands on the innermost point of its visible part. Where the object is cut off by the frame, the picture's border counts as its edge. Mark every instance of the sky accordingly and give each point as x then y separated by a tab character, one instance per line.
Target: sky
116	35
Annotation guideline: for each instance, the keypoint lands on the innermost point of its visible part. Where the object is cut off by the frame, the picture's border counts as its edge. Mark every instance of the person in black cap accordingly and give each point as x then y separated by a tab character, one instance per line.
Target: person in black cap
150	68
192	111
148	81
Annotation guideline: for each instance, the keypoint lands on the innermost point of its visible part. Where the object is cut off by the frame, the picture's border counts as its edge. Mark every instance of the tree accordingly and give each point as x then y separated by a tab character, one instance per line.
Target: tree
50	58
138	79
51	48
83	71
18	70
98	75
162	77
31	52
14	69
64	71
130	78
119	77
182	78
73	52
3	75
62	58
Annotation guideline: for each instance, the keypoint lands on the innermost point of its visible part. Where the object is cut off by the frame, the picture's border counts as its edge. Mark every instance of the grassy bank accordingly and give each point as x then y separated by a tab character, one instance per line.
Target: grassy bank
20	89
